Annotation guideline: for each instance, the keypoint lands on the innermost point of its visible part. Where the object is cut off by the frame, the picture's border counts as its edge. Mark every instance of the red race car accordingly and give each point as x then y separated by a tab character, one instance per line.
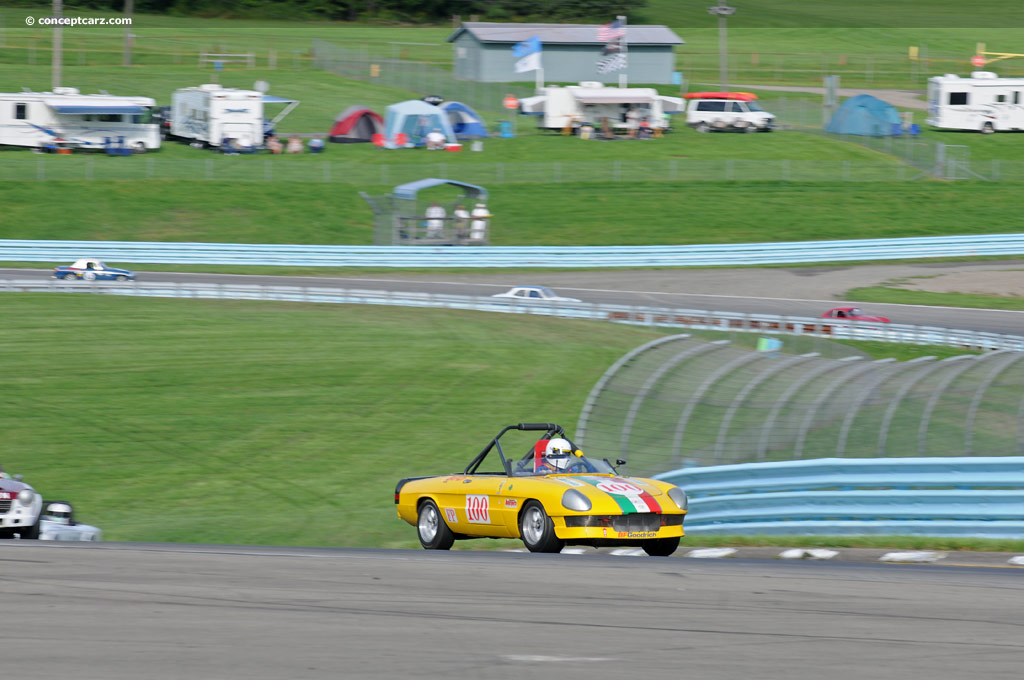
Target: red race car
852	313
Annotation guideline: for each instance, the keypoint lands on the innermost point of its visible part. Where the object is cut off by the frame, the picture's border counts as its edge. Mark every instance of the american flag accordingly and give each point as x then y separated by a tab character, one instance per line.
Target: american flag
612	31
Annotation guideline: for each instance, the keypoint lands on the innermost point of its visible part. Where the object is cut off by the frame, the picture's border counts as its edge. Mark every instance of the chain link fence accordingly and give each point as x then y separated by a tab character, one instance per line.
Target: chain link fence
685	401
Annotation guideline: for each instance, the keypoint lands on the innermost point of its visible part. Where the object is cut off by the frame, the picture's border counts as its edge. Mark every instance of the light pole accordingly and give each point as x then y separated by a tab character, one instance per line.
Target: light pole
722	11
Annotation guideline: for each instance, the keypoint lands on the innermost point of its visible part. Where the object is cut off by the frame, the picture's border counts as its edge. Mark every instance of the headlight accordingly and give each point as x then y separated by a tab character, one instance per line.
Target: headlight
26	496
574	500
678	497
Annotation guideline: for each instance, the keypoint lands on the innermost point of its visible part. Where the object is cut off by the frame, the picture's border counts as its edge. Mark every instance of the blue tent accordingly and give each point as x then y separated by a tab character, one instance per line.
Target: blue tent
465	121
865	115
414	119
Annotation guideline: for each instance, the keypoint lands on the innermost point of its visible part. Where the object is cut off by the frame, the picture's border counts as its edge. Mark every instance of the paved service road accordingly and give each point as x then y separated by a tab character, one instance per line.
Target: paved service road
131	611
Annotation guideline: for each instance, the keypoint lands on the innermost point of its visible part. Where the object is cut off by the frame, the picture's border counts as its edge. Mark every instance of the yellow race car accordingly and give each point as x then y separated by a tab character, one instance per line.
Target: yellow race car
551	496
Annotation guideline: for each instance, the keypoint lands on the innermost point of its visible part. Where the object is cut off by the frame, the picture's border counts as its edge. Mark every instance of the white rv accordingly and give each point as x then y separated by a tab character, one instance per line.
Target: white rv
984	102
592	102
68	118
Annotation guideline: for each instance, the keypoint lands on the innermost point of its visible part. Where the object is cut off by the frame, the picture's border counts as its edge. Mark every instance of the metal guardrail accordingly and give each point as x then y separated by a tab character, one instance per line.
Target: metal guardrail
969	497
629	314
561	257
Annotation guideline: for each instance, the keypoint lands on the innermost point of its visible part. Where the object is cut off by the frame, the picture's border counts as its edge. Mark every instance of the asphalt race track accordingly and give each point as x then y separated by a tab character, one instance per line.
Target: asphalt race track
160	611
799	291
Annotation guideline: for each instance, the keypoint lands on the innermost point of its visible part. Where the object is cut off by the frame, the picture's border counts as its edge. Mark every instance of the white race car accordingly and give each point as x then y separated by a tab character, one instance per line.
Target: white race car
534	293
20	507
58	524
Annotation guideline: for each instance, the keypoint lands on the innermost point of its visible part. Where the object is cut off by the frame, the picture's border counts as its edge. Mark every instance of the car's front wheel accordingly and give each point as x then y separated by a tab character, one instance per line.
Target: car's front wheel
433	532
122	277
30	533
703	127
660	547
89	276
70	276
537	530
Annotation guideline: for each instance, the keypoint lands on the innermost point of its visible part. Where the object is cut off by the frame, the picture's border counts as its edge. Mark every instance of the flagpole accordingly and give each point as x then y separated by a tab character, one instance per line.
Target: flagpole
623	78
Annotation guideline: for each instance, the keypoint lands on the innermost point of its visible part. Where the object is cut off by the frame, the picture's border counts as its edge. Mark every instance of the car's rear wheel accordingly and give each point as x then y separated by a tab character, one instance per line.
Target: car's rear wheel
660	547
69	276
537	530
433	532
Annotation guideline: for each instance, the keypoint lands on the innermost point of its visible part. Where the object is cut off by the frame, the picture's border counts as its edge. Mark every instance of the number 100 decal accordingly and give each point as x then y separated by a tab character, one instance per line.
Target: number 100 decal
478	510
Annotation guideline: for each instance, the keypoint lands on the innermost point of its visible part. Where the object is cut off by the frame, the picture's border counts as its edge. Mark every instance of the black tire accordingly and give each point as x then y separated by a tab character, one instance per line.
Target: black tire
702	127
660	547
434	534
69	276
30	533
537	530
987	129
121	277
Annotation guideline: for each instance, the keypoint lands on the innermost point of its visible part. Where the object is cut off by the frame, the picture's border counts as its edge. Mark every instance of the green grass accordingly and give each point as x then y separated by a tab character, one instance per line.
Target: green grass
918	297
240	422
549	214
272	423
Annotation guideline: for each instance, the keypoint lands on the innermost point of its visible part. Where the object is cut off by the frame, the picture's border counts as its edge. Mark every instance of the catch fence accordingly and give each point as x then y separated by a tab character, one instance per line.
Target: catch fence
96	167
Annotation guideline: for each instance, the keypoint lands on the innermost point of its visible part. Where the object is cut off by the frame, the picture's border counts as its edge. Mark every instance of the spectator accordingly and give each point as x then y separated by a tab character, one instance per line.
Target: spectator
294	145
435	220
632	121
461	221
316	145
478	228
274	145
436	139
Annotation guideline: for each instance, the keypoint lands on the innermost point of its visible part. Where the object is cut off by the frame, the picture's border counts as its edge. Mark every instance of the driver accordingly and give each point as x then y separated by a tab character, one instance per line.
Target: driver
557	456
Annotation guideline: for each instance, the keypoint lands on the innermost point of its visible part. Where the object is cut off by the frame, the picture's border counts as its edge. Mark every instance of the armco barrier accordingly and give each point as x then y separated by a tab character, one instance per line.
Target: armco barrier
635	315
964	496
561	257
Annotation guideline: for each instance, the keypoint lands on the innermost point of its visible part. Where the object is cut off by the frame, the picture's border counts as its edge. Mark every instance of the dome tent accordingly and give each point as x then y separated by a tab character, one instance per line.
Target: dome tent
465	122
356	124
865	115
413	119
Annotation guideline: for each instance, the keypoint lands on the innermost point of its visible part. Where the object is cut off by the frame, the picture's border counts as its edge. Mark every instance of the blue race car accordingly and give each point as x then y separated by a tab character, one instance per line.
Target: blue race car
91	269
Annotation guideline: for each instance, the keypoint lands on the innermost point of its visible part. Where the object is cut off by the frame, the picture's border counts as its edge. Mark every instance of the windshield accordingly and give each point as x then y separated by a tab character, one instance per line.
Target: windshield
855	311
531	466
754	106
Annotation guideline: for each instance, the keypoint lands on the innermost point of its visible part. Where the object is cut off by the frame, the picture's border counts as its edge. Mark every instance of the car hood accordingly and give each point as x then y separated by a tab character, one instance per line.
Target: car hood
13	485
625	494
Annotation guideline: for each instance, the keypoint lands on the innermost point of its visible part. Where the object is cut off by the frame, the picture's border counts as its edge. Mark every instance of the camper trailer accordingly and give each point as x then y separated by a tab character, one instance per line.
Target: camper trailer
66	118
984	102
210	114
591	102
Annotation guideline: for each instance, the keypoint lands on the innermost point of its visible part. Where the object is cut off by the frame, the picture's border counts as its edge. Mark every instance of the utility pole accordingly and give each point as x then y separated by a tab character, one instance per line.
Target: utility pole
722	11
128	33
58	56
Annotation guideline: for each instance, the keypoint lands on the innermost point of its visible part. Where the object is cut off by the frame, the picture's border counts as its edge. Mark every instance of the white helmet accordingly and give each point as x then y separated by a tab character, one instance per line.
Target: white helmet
58	512
557	453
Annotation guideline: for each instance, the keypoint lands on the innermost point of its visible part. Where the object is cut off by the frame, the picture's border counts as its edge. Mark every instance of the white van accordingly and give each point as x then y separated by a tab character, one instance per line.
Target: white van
738	111
211	113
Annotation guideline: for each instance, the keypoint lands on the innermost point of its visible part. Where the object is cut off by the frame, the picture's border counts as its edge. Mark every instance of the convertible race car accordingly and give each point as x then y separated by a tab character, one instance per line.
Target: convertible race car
549	497
91	269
